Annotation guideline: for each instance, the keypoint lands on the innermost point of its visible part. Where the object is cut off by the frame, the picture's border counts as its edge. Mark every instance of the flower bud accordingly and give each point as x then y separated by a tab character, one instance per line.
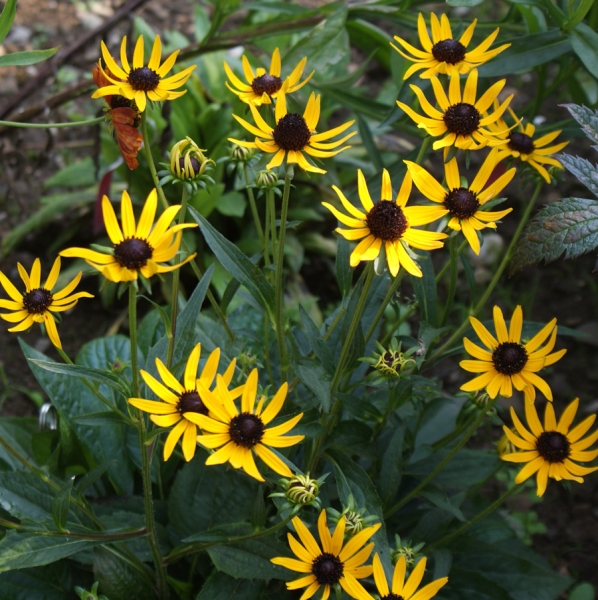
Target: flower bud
187	160
267	179
240	153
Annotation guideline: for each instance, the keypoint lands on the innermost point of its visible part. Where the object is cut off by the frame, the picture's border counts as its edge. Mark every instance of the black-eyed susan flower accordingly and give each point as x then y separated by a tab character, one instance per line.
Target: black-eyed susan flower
387	226
461	117
508	362
332	563
178	401
141	82
293	135
464	204
37	303
238	434
521	144
141	249
262	86
406	590
550	451
442	53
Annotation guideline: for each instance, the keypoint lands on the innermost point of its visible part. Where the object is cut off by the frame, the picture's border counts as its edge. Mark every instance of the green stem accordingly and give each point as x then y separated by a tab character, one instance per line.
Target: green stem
454	257
145	459
498	502
267	230
52	125
279	292
192	549
107	537
175	288
256	216
394	286
423	149
164	201
505	261
424	482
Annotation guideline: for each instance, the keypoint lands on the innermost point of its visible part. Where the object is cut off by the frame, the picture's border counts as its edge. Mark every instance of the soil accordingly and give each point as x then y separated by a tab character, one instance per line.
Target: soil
565	289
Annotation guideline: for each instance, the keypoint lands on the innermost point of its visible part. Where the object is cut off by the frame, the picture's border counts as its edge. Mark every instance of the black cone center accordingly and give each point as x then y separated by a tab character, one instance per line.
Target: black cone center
553	446
189	401
195	166
118	101
509	358
521	142
392	596
266	83
449	51
462	203
387	221
462	118
246	430
327	568
37	301
133	253
143	79
291	132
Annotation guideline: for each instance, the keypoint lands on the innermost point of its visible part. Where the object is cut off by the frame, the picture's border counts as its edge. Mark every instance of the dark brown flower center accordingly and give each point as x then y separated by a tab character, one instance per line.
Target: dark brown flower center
246	430
509	358
117	101
133	253
37	301
327	568
266	83
143	79
553	446
521	142
291	132
194	165
462	118
387	221
449	51
392	596
189	401
461	203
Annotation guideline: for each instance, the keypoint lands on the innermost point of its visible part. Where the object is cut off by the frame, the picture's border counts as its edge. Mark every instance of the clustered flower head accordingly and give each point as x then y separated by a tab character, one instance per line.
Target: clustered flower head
188	166
391	362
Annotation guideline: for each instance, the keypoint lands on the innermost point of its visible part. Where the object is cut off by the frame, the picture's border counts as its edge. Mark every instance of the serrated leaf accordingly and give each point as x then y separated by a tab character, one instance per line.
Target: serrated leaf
39	583
569	226
587	118
119	581
61	503
316	378
583	169
28	57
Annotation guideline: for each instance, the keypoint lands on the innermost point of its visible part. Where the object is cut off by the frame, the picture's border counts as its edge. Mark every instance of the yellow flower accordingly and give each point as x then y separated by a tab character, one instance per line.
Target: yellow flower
331	564
550	451
509	362
461	117
261	87
178	405
37	302
293	135
443	54
141	83
236	433
137	249
464	204
387	226
520	144
405	589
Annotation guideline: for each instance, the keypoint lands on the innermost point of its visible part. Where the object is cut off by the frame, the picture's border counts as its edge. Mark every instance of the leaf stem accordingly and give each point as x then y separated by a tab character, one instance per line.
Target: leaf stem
254	212
52	125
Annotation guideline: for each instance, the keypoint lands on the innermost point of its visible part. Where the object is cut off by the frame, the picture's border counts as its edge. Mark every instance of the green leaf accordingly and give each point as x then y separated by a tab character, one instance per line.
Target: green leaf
468	3
526	52
316	343
251	559
73	399
90	478
469	585
344	272
258	510
119	581
369	143
315	377
442	501
587	118
78	174
18	433
351	479
569	226
101	376
22	550
237	264
391	467
583	591
232	204
99	419
40	583
7	17
220	586
28	57
61	504
584	41
205	497
425	290
583	169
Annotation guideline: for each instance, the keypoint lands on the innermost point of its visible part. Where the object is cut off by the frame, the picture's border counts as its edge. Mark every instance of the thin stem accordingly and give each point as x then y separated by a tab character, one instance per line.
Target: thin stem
394	286
107	537
505	261
193	549
454	253
267	230
498	502
145	459
52	125
164	201
279	292
256	216
424	482
423	149
175	288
